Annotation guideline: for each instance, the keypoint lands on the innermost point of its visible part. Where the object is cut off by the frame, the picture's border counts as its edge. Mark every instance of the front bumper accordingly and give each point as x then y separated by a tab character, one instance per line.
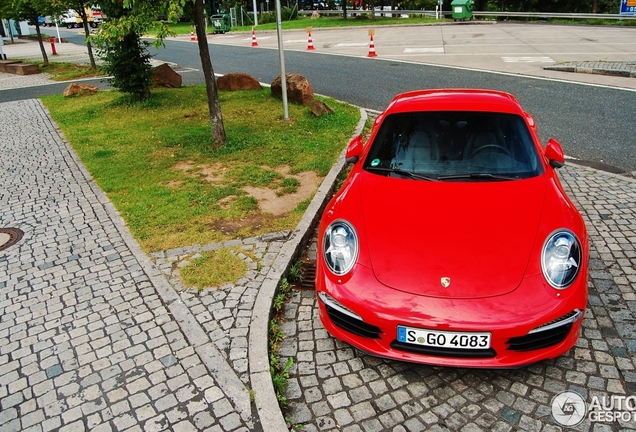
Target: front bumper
532	323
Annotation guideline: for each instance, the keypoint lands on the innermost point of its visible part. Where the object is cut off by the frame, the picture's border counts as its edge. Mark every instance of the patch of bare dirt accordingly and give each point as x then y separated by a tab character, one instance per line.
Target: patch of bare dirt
230	227
226	203
212	173
174	184
269	202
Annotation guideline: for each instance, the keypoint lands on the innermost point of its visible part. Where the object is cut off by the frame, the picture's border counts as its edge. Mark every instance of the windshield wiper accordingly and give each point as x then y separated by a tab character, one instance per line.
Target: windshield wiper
402	172
478	176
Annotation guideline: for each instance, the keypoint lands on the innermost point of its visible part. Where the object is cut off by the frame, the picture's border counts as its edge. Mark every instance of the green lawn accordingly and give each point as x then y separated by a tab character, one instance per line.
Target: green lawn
325	21
365	19
156	163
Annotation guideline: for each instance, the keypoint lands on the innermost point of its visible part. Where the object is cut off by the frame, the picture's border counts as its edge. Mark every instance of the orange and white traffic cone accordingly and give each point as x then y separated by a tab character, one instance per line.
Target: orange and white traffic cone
371	48
310	43
254	43
193	38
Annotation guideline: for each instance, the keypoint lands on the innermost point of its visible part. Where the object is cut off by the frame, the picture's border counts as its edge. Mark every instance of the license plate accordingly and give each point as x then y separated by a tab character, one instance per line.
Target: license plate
443	339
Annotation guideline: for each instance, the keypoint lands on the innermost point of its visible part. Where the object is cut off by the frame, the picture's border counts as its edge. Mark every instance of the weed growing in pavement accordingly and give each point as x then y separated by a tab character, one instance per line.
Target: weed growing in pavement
279	373
292	425
296	272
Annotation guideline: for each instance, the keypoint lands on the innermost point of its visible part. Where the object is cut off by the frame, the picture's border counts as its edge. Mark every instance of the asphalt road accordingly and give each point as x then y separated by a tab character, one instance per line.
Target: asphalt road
593	122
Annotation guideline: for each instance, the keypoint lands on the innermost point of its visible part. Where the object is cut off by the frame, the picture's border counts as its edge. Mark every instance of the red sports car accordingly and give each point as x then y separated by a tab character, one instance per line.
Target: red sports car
452	241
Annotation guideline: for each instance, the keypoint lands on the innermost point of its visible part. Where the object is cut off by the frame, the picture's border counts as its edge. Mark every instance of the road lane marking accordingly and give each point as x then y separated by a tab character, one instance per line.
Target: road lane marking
435	50
528	59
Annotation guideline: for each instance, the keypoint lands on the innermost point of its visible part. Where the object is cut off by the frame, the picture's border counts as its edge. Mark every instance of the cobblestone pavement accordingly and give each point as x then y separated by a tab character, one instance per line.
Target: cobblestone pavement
226	313
615	68
90	339
334	387
95	335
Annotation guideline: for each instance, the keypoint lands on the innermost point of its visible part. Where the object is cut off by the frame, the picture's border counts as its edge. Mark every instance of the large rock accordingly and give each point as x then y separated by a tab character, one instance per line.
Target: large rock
298	89
238	81
319	108
79	90
165	76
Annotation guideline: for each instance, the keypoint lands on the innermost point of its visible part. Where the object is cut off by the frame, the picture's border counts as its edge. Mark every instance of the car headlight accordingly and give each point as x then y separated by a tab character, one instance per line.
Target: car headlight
561	259
340	247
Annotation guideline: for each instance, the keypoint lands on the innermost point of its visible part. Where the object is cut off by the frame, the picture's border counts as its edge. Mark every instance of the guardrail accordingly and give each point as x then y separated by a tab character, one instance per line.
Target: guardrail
485	14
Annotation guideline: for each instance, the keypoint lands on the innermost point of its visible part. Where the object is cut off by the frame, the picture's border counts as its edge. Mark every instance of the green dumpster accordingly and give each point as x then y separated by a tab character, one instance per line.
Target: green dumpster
462	9
221	23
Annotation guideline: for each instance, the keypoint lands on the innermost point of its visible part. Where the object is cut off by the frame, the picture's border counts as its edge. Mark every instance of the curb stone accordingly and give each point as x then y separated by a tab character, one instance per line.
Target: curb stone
620	69
212	358
269	412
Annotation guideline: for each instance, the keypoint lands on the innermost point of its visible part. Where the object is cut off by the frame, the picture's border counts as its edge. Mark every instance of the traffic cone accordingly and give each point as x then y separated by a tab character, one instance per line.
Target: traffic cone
372	48
254	43
310	44
193	38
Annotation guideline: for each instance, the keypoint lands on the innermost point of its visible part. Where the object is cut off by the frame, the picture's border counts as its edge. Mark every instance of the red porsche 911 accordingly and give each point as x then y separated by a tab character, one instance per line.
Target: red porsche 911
452	241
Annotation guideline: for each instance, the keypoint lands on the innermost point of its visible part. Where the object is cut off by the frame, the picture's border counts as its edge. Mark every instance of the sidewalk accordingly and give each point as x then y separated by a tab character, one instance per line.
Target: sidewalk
622	69
29	50
96	335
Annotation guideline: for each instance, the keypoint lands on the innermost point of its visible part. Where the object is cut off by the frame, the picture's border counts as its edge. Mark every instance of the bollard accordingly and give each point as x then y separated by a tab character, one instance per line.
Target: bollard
52	40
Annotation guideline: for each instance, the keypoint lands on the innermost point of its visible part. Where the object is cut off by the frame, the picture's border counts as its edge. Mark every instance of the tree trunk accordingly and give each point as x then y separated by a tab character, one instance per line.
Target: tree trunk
82	12
44	56
9	30
216	119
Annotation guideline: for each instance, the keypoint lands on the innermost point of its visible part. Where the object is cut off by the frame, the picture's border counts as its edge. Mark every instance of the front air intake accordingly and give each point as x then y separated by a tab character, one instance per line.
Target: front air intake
352	325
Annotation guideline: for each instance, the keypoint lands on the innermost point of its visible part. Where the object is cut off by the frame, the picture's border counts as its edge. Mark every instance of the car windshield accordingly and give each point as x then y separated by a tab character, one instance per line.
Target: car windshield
454	146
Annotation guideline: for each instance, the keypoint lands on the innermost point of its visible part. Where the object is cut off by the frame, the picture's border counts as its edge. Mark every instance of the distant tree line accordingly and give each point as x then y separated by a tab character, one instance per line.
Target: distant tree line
563	6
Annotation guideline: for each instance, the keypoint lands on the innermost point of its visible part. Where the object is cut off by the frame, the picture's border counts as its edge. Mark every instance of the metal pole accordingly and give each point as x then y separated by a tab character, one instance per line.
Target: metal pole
283	78
255	13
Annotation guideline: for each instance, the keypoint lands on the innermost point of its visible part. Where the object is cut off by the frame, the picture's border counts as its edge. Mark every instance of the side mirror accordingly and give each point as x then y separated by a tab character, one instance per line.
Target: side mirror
354	150
554	153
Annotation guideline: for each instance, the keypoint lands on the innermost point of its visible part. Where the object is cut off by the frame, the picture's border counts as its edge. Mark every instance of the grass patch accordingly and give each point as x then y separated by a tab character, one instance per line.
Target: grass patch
332	21
156	162
61	71
213	269
325	21
70	71
366	18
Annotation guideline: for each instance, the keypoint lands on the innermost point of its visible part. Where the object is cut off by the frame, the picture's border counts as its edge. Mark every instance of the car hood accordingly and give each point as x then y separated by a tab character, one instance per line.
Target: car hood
450	239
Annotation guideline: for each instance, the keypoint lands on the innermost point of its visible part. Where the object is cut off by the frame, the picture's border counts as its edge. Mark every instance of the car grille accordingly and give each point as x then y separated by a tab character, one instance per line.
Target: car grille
538	340
444	352
352	325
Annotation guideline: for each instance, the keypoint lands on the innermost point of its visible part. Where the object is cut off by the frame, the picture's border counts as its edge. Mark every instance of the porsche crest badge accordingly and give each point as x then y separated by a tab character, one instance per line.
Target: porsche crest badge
445	282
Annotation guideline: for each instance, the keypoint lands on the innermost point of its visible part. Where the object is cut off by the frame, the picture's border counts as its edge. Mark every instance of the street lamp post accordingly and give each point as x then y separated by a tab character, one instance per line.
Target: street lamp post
281	54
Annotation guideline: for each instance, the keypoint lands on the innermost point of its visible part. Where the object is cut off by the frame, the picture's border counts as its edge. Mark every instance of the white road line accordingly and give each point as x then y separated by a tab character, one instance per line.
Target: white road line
257	38
423	50
528	59
352	44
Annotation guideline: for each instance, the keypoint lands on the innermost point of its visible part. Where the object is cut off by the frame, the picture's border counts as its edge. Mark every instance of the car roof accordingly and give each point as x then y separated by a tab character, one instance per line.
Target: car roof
455	100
